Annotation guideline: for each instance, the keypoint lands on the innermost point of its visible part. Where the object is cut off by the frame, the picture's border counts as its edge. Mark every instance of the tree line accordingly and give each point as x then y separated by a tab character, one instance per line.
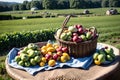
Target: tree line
61	4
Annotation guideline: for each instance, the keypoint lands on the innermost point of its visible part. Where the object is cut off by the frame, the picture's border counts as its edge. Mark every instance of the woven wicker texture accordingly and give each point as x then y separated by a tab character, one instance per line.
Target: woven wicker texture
93	73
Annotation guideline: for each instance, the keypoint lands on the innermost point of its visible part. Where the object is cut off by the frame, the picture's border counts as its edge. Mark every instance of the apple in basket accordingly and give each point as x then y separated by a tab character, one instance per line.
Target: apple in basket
63	36
89	35
72	29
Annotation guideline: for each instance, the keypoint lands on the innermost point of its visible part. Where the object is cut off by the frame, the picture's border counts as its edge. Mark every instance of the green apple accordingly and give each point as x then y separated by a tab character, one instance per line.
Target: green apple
58	32
24	57
32	46
95	55
72	29
101	57
21	63
109	58
110	52
107	51
69	33
69	38
17	58
27	64
31	53
36	53
83	37
32	61
37	59
25	49
63	36
88	35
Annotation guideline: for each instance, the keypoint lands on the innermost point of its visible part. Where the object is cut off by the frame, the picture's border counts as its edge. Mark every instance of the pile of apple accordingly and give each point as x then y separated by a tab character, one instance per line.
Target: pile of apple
53	53
104	55
76	33
29	55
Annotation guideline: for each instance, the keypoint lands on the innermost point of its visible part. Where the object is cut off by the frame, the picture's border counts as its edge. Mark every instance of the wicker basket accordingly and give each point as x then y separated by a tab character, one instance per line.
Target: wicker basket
81	49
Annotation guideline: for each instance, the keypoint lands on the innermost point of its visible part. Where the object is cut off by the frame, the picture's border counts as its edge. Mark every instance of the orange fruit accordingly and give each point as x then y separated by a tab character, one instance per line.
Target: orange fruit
63	59
51	62
44	51
97	62
44	59
41	64
50	49
49	45
66	54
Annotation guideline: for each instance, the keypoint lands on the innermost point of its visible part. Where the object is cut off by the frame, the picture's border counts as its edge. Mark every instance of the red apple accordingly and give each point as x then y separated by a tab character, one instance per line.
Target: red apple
80	30
48	56
65	49
55	57
75	34
59	53
59	49
79	39
75	38
79	26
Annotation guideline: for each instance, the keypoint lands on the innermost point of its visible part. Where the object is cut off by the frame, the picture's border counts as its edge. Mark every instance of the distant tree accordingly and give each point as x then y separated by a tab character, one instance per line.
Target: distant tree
37	4
76	3
88	4
96	3
28	6
105	3
15	7
49	4
114	3
22	7
62	4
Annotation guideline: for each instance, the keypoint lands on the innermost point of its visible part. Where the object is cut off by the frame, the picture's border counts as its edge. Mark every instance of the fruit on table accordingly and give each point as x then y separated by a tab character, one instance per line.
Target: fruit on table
51	57
29	55
51	62
104	54
41	64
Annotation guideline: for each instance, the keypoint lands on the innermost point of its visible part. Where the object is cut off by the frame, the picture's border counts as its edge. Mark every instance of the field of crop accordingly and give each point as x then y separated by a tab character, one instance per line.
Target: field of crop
107	26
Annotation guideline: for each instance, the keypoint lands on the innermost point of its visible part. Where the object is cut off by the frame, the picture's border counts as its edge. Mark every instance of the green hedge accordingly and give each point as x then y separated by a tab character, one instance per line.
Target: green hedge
19	39
5	17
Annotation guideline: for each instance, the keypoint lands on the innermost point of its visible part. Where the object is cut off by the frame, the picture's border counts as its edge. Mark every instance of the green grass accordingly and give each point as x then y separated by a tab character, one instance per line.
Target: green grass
107	26
97	11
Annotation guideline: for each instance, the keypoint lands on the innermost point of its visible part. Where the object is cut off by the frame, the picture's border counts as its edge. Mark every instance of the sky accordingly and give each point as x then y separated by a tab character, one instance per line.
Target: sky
20	1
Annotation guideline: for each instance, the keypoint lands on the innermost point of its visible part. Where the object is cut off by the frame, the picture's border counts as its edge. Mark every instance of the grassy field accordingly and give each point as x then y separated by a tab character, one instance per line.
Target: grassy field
107	26
93	11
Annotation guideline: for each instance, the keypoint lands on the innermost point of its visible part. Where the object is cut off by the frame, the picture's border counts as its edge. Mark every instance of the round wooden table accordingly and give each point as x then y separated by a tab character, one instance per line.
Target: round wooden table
93	73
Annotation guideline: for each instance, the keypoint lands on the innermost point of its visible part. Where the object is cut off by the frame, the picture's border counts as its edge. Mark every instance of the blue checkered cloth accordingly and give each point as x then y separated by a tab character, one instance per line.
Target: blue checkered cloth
83	63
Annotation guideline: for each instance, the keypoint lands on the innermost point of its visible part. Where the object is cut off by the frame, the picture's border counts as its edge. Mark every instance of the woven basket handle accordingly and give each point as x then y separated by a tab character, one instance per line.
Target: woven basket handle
64	24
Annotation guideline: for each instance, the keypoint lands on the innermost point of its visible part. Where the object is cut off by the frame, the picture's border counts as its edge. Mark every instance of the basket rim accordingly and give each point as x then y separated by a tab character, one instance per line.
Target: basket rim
75	43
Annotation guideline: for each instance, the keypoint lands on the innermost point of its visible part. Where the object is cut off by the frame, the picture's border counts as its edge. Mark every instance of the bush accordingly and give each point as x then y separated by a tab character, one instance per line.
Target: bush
5	17
20	39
